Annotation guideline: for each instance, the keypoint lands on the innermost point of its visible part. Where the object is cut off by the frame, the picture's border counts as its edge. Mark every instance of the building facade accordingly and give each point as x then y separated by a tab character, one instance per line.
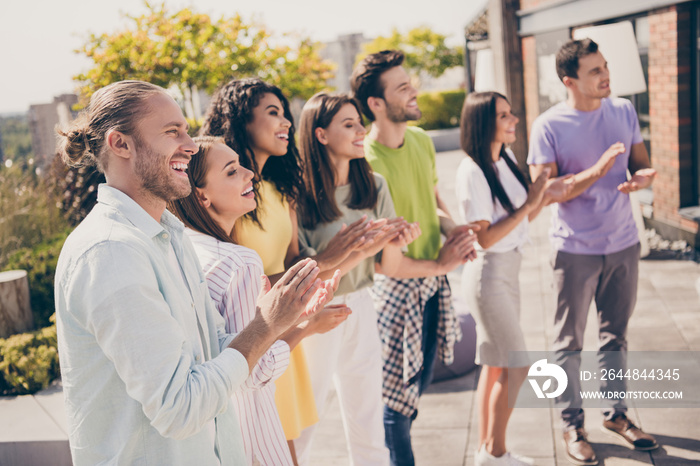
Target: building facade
667	33
43	119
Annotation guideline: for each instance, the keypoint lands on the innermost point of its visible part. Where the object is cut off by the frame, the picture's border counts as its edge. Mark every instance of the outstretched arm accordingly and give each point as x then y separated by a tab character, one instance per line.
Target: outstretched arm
585	178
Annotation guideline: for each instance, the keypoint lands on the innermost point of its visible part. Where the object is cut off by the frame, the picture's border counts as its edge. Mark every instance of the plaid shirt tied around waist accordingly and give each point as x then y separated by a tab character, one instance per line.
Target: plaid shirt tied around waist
400	304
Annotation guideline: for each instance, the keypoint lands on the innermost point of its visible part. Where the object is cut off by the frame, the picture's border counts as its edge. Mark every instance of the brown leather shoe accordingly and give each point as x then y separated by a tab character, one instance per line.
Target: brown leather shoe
622	428
578	450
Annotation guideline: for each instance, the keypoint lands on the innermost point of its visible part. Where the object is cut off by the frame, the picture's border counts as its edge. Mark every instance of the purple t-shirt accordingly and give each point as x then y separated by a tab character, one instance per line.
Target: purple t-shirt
599	221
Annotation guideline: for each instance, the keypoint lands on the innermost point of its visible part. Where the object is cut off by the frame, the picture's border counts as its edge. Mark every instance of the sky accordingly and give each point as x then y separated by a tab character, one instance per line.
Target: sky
38	37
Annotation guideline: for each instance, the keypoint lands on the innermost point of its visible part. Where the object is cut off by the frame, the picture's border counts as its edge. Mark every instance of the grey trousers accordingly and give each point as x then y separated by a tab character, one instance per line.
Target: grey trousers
611	280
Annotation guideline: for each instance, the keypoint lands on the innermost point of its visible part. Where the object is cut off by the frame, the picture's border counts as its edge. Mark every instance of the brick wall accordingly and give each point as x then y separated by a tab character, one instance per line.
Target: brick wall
670	111
531	83
532	105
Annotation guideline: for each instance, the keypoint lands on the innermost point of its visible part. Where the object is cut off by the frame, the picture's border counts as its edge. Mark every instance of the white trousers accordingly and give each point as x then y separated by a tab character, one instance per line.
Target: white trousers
350	355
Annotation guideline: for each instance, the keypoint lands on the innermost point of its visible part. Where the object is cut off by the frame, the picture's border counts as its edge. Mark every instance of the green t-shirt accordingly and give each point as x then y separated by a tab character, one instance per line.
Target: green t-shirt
314	241
412	177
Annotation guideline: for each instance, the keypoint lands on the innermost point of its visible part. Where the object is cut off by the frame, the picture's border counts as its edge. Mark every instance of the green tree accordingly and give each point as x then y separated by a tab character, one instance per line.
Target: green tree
426	51
191	51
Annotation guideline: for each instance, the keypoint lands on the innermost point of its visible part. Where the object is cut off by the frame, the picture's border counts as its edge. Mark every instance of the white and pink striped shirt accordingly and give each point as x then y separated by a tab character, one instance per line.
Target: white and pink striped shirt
233	278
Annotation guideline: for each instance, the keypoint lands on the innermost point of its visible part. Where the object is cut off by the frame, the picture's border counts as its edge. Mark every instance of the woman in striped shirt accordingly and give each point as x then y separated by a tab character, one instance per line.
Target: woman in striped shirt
222	191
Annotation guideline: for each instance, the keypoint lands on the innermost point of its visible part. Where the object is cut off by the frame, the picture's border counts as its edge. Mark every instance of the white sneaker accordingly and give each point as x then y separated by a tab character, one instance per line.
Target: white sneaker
484	458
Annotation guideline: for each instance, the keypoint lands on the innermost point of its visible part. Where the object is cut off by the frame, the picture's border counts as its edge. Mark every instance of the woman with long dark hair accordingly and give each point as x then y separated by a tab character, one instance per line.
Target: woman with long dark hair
254	119
340	189
222	191
493	193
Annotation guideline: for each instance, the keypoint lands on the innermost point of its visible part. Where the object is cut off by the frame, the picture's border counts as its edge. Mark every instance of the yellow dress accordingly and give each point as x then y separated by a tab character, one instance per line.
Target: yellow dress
293	395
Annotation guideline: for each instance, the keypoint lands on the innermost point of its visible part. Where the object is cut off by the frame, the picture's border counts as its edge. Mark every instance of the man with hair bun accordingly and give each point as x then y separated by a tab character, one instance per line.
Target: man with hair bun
596	139
146	366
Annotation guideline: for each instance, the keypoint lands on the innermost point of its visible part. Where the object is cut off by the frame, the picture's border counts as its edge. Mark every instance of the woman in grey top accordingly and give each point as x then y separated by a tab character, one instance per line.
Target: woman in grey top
340	189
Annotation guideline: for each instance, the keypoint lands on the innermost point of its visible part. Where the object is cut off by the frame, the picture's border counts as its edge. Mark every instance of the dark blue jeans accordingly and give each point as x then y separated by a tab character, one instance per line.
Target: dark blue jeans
397	427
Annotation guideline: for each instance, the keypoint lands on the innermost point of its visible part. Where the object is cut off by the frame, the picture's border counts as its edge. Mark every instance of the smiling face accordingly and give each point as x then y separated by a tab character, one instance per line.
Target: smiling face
227	193
163	150
345	135
593	80
399	96
505	123
268	131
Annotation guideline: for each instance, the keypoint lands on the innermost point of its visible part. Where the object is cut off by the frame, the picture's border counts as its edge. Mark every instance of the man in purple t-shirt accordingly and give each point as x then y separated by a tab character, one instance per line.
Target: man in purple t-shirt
596	139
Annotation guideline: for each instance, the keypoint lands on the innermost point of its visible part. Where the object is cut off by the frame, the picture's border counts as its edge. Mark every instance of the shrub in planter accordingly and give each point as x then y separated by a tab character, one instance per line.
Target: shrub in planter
28	361
40	264
441	109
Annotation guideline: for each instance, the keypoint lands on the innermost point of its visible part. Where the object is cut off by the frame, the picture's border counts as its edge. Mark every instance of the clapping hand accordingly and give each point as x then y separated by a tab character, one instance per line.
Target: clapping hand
281	305
559	188
350	238
640	180
408	234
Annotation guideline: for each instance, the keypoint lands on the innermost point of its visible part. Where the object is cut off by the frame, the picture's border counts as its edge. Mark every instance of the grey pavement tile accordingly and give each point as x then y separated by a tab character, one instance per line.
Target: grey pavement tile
688	324
652	305
676	304
52	402
662	338
530	433
687	296
439	447
676	430
24	420
329	443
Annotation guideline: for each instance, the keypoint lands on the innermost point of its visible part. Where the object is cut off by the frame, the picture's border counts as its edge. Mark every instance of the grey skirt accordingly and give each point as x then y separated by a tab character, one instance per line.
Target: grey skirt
492	289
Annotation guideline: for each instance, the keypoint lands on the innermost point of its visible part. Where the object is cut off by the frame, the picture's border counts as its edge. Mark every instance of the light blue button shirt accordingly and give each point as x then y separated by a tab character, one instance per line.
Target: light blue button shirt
135	392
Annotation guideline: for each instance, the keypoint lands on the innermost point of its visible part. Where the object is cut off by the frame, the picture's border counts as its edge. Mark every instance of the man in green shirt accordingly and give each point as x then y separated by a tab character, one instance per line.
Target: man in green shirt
416	318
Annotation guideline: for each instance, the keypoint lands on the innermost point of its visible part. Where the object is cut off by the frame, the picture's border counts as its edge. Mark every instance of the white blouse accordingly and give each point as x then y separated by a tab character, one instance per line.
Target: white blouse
233	277
476	203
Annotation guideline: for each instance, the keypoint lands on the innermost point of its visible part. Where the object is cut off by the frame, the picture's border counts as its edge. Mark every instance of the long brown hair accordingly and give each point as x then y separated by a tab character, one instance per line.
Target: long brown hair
318	202
477	132
188	209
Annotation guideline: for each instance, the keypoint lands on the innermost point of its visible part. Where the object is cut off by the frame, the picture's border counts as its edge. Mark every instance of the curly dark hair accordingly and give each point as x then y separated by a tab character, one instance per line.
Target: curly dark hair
230	111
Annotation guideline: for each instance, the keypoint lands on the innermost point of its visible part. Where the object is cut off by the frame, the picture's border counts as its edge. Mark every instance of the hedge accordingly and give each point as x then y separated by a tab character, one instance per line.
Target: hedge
40	264
441	109
28	361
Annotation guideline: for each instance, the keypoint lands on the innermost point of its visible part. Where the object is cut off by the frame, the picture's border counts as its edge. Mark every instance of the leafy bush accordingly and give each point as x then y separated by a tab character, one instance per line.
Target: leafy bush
28	361
40	264
28	209
441	109
75	189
